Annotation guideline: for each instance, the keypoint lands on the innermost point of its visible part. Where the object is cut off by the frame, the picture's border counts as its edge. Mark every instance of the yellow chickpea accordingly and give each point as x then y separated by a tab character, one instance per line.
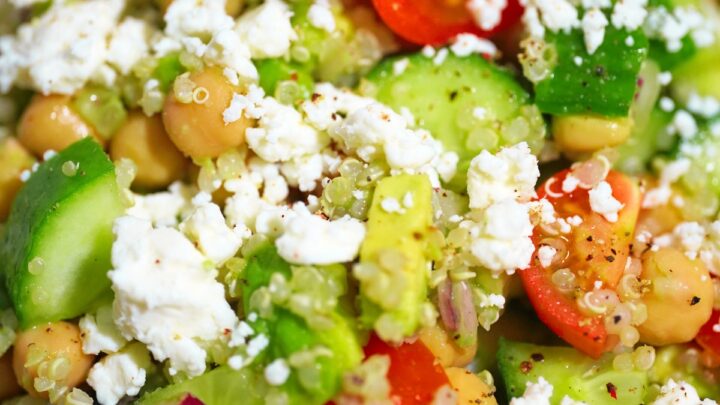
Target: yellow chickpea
444	348
50	123
8	383
143	140
587	133
680	298
470	389
13	160
198	128
49	356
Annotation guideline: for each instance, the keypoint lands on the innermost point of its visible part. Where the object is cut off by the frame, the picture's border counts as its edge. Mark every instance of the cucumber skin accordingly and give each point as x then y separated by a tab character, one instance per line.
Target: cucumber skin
565	369
603	84
37	208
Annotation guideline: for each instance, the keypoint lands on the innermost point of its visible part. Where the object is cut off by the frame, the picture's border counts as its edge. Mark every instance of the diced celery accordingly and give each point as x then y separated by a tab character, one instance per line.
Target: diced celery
102	108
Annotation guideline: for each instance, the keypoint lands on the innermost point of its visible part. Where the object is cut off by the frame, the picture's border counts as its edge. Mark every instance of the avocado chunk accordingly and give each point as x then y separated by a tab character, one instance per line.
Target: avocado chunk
467	103
570	372
393	269
55	252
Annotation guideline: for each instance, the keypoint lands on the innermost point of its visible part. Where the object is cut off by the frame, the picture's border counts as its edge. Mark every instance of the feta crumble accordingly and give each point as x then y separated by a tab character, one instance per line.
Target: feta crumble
320	15
546	254
277	372
603	202
593	26
684	124
207	228
487	13
129	44
310	239
467	44
99	333
120	374
538	393
673	393
267	29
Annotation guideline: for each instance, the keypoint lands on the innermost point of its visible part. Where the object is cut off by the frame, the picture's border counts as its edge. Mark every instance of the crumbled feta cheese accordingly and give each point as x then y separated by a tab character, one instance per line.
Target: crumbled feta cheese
667	104
163	208
160	281
629	14
391	205
129	44
487	13
664	78
570	183
206	227
310	239
629	41
400	65
578	60
531	20
440	57
120	374
62	49
196	18
511	173
672	27
500	241
99	333
707	107
267	29
467	44
684	124
674	393
304	172
546	254
557	15
593	26
428	51
227	50
535	394
408	200
277	372
569	401
588	4
691	236
603	202
320	15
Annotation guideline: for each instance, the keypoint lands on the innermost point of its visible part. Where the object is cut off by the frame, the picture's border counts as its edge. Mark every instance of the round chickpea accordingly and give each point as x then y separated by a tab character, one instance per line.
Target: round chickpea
587	133
13	160
444	348
197	126
143	140
679	300
8	383
48	357
470	389
50	123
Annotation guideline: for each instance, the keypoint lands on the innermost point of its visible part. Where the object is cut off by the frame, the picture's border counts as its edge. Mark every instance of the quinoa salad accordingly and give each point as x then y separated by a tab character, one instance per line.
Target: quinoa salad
360	202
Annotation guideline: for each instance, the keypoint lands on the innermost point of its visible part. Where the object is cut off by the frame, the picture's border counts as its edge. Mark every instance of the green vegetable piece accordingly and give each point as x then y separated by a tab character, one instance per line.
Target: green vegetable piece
285	80
102	108
570	372
644	143
167	69
668	60
670	362
55	251
469	104
289	334
221	386
604	83
701	73
392	274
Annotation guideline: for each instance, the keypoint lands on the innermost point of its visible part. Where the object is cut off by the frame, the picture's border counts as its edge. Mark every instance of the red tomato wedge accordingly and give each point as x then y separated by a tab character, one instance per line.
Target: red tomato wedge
414	373
708	338
597	250
435	22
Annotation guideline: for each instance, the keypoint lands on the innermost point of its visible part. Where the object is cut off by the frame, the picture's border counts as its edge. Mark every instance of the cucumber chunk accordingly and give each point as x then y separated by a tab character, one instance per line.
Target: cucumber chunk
392	276
275	73
469	104
570	372
55	251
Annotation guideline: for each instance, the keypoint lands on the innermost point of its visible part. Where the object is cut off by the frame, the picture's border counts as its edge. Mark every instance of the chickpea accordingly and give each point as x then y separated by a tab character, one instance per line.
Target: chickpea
13	160
199	130
587	133
444	348
143	140
469	387
50	123
658	220
680	299
8	383
49	356
232	7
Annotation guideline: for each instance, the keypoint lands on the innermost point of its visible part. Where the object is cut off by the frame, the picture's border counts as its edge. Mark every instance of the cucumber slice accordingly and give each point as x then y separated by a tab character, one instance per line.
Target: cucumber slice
570	372
218	387
469	104
56	248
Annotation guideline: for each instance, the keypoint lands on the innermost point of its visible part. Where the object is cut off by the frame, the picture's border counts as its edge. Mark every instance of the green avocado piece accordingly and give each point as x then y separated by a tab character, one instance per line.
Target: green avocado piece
570	372
395	245
55	252
467	103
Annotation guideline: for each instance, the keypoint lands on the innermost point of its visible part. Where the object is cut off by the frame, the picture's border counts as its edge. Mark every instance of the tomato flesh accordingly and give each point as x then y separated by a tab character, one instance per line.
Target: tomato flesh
414	374
597	252
707	338
435	22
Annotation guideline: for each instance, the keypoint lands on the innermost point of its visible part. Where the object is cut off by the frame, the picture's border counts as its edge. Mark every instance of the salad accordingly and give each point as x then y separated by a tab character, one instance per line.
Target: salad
359	202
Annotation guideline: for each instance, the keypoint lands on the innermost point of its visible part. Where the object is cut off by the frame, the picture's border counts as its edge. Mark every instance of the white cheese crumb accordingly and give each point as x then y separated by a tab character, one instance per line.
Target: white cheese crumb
468	44
310	239
546	254
707	106
277	372
630	41
428	51
267	29
664	78
603	202
120	374
207	228
25	175
129	44
667	104
391	205
535	394
569	401
673	393
511	173
684	124
578	60
487	13
320	15
570	183
557	15
593	26
629	14
440	56
99	333
408	201
400	65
